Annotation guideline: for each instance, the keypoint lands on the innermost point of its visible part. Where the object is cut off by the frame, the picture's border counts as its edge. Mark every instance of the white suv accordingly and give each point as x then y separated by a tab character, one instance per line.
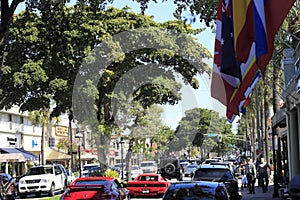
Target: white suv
149	167
43	179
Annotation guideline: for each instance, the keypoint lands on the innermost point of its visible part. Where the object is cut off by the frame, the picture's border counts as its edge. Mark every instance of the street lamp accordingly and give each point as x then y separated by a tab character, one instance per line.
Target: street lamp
78	138
122	167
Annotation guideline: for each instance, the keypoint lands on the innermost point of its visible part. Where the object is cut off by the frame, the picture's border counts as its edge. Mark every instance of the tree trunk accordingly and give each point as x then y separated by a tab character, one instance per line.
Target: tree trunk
43	144
102	143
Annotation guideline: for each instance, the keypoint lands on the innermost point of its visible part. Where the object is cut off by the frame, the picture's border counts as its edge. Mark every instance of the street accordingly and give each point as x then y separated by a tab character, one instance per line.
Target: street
257	196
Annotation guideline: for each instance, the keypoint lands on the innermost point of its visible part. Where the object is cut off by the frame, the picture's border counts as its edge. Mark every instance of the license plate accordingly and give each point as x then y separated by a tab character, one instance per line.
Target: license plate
145	191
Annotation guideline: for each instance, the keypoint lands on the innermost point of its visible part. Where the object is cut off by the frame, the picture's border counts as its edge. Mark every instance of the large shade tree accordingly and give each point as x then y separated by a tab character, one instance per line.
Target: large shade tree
43	60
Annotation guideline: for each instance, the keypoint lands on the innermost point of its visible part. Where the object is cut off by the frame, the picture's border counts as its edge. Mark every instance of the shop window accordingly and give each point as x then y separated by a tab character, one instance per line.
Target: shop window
51	142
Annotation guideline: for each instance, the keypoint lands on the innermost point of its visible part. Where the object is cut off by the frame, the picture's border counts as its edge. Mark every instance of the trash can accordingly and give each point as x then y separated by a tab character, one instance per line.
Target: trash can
294	188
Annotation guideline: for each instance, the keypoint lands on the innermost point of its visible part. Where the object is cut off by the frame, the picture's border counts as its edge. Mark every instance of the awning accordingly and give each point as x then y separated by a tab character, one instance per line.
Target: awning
12	157
26	154
52	154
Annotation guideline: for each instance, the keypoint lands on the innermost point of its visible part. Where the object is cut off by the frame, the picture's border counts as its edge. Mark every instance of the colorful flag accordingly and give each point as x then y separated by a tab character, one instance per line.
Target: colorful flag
254	24
275	12
223	84
229	64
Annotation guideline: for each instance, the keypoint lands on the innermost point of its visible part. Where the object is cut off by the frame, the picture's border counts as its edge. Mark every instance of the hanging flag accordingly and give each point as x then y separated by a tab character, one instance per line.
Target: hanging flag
229	64
223	83
243	28
229	89
254	24
274	13
241	93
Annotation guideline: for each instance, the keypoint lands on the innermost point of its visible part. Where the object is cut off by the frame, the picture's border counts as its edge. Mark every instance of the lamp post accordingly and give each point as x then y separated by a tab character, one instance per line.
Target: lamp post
122	166
71	140
78	138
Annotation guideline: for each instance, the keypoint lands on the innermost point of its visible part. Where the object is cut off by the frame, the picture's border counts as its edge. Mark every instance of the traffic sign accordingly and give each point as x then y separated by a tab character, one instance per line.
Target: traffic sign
212	135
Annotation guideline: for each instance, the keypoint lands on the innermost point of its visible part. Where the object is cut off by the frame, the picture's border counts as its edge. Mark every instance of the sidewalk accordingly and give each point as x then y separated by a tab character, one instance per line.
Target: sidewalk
259	195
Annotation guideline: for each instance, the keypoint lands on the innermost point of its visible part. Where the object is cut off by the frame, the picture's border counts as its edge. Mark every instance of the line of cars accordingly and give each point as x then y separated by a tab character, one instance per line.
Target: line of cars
215	180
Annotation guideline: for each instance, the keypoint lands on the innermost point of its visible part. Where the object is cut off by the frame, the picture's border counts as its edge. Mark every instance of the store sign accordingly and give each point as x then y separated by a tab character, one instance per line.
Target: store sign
111	153
61	131
11	141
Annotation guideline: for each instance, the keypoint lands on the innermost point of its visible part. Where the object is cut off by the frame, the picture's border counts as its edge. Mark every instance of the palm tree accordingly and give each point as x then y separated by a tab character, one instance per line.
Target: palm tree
40	117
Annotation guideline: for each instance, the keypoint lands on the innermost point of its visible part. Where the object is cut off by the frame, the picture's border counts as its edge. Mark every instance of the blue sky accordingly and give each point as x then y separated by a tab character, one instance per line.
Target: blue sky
191	98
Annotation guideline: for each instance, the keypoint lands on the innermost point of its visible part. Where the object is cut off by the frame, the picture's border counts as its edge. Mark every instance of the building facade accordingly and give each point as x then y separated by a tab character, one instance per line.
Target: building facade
288	117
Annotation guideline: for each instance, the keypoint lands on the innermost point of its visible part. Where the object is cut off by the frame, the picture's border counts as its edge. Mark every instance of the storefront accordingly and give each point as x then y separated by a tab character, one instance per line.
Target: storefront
15	161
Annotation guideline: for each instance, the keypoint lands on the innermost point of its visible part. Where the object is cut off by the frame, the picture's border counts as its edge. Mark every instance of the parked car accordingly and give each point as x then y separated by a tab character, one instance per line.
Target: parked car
196	190
43	179
135	171
87	167
70	176
218	173
170	168
190	170
98	187
149	167
148	185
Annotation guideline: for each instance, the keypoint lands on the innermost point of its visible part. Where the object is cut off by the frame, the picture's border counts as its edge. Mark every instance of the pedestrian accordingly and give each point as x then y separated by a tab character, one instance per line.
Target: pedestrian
257	163
243	174
263	174
250	172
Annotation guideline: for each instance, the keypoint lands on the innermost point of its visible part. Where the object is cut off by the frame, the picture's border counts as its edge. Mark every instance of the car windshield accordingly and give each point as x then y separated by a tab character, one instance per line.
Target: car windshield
148	178
147	164
213	173
91	182
86	168
40	170
134	168
195	193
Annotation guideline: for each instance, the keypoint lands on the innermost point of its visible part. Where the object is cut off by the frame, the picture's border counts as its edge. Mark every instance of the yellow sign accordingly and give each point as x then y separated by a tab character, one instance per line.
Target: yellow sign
61	130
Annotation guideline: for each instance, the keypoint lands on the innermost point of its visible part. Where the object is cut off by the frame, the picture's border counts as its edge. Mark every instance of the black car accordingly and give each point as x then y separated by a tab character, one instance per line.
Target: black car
219	173
196	190
170	168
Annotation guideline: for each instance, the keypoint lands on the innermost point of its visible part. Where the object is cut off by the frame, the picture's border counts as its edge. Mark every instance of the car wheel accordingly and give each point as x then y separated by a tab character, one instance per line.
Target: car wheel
51	191
170	168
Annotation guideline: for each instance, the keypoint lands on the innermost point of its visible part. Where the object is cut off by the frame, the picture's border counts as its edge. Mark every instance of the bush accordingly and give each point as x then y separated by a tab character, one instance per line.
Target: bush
111	173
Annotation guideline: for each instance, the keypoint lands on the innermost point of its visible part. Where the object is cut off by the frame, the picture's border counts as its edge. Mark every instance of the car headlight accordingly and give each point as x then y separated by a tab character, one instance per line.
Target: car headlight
22	182
45	180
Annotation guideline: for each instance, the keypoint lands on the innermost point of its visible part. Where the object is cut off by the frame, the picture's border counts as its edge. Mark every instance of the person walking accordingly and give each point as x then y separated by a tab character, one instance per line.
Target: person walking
244	176
263	174
250	172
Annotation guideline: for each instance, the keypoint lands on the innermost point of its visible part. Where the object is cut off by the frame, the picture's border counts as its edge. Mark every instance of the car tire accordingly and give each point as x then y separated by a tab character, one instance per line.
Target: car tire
51	191
169	168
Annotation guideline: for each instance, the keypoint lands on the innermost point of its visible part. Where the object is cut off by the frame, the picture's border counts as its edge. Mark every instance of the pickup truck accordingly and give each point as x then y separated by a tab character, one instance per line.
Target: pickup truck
43	179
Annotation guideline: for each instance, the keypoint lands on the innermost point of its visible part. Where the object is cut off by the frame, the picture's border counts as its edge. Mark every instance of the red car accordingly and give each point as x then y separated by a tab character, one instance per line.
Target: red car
148	185
102	188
